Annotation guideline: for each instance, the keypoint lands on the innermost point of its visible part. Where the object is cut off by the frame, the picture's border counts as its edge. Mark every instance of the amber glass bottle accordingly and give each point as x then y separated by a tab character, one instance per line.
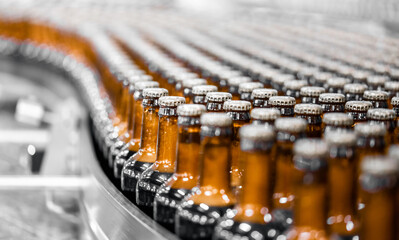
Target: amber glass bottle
200	91
283	103
310	94
312	113
264	116
395	105
215	100
337	122
379	182
386	117
254	204
310	181
134	127
332	102
342	183
260	96
198	214
358	110
188	87
233	85
164	165
379	99
354	91
289	130
245	89
376	82
293	89
146	155
336	85
185	178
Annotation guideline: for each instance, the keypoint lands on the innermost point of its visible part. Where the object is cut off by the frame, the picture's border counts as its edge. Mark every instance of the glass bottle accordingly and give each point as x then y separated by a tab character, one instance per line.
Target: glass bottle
178	87
312	113
146	155
198	214
260	96
215	100
164	166
379	99
310	94
264	116
292	88
332	102
188	87
337	122
185	178
245	89
200	91
386	117
358	110
283	103
354	91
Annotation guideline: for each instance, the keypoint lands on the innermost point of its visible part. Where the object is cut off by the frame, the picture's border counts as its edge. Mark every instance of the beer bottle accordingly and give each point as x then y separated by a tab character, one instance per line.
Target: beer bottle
292	88
379	99
233	84
336	85
188	87
264	116
178	87
200	91
164	166
245	89
135	127
354	91
260	96
337	122
312	113
332	102
283	103
358	110
310	181
379	183
238	110
342	183
185	178
146	155
253	208
320	79
310	94
198	214
215	100
278	81
386	117
289	130
395	105
376	82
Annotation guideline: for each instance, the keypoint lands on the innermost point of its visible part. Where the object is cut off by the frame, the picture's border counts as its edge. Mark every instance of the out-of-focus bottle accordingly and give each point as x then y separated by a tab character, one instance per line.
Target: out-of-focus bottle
336	85
358	110
376	82
164	166
293	89
221	79
200	91
360	76
185	178
395	105
198	214
188	87
392	88
260	96
310	94
178	82
320	79
278	81
245	89
310	178
284	104
342	184
354	91
253	208
289	130
215	100
379	99
337	122
146	155
379	182
264	116
312	113
238	110
233	85
386	117
332	102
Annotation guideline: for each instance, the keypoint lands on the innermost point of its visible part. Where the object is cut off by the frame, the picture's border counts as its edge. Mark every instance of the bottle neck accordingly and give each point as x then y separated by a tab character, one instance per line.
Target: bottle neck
199	99
314	127
214	106
285	111
137	124
358	116
333	107
149	132
259	102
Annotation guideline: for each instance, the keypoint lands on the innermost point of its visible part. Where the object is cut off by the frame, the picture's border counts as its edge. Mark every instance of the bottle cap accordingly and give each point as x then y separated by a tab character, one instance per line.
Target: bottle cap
281	101
264	93
370	130
226	74
295	84
257	132
249	86
236	105
360	76
381	114
360	106
391	86
308	109
216	119
375	95
291	124
190	83
144	85
395	101
155	92
331	98
203	89
376	80
355	88
184	76
280	79
218	96
379	165
190	110
311	91
322	77
310	148
337	119
171	101
265	114
236	81
140	78
340	138
337	82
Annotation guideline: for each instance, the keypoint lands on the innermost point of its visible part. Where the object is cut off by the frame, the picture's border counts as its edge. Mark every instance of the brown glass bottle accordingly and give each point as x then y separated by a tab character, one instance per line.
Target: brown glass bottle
245	89
376	82
342	183
264	116
254	205
337	122
164	166
146	155
310	181
185	178
283	103
386	117
310	94
354	91
188	87
213	196
215	100
312	113
260	96
200	91
233	85
289	130
358	110
379	99
395	105
292	88
332	102
379	182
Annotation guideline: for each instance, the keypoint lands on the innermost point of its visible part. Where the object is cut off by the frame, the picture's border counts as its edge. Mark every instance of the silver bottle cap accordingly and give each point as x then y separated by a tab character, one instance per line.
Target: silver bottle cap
381	114
379	165
331	98
171	101
360	106
375	95
337	82
249	86
295	84
395	101
391	86
191	110
218	96
257	132
312	91
262	93
355	88
265	114
376	80
155	92
236	105
236	81
340	138
281	101
310	148
370	130
291	124
337	119
216	119
144	85
190	83
203	89
308	109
